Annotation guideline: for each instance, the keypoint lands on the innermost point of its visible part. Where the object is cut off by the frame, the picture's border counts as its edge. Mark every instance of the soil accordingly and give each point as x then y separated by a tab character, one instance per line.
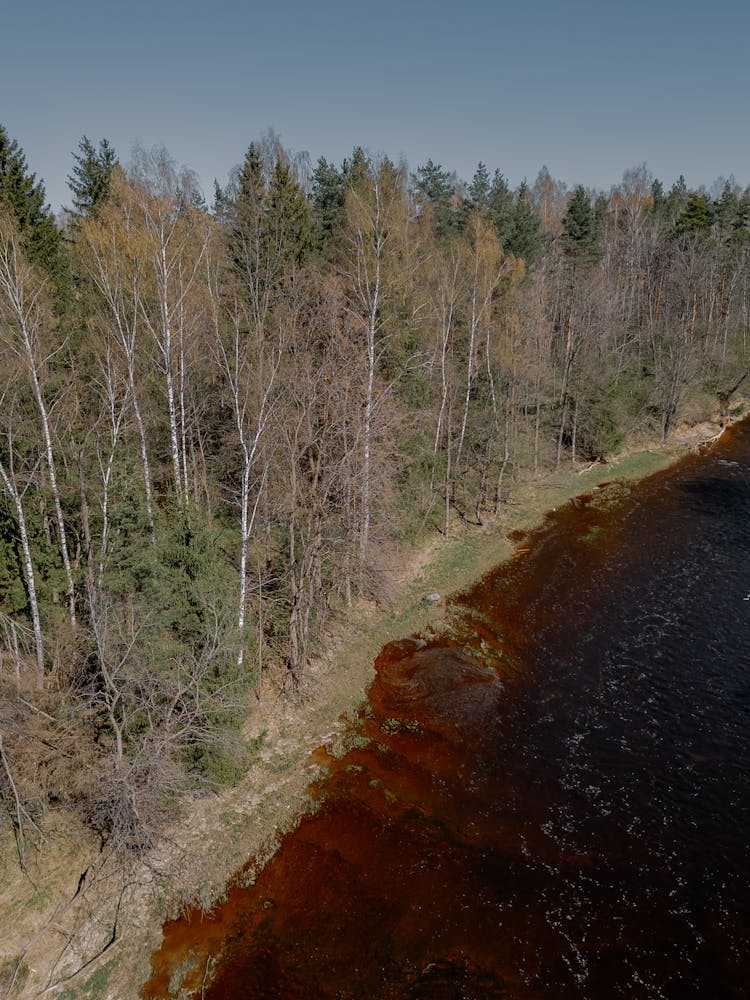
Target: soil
76	925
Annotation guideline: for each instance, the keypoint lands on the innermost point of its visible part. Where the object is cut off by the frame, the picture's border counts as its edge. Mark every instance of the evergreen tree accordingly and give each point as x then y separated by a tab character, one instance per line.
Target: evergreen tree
356	171
580	237
328	205
24	196
434	185
658	197
247	212
500	208
675	202
696	218
222	206
92	175
273	229
525	239
479	189
439	188
289	220
731	223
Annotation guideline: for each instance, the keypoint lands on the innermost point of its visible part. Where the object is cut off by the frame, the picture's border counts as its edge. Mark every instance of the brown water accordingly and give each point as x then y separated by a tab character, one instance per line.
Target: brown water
556	795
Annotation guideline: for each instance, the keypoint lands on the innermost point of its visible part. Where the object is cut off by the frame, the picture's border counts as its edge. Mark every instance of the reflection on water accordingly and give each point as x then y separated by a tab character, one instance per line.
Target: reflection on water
555	798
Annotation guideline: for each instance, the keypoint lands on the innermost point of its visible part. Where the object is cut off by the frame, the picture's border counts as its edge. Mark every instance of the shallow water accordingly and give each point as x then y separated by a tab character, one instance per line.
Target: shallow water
556	795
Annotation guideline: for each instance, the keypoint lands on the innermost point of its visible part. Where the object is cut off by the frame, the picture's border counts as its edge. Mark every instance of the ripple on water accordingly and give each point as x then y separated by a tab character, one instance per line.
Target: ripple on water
555	797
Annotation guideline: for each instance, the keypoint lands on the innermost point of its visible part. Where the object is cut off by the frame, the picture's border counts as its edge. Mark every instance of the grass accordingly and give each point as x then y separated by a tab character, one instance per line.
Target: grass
94	988
250	819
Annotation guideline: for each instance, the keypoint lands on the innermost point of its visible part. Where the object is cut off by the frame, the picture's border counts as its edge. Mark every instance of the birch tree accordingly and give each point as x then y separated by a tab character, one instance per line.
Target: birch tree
25	327
176	246
377	212
249	367
15	489
110	253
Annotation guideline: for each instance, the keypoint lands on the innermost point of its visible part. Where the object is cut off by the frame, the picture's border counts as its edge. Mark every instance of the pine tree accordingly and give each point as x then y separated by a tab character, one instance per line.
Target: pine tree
479	189
439	188
222	208
247	214
289	222
676	200
273	230
658	198
356	171
500	208
91	179
24	196
328	205
696	218
525	239
580	237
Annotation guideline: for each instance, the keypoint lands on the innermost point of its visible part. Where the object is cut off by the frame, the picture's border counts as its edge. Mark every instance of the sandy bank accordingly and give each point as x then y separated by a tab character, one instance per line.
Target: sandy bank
94	938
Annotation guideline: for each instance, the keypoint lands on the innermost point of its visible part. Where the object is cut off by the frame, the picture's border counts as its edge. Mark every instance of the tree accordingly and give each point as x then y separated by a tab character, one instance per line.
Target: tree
15	490
668	207
91	180
479	189
500	208
580	237
249	365
439	189
524	238
328	205
696	218
549	201
25	335
24	197
288	221
247	244
108	250
377	215
273	230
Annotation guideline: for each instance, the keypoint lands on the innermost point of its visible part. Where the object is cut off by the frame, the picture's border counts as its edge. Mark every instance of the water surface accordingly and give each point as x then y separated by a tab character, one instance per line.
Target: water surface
555	798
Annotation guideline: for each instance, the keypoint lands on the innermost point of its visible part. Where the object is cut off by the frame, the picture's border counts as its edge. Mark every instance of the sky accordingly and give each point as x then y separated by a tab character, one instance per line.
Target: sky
586	87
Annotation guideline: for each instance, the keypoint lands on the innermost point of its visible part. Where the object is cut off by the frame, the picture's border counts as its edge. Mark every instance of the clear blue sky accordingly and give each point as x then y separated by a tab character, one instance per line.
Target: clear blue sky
587	87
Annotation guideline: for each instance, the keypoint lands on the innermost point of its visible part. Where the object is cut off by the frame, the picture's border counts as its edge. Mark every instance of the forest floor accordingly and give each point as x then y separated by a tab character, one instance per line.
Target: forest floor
77	936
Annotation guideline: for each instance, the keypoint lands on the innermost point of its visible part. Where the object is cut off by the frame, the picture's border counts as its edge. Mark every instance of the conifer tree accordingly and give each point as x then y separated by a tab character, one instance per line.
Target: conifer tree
500	208
580	237
289	222
328	205
439	188
25	197
696	218
479	189
525	238
675	202
356	171
92	175
246	242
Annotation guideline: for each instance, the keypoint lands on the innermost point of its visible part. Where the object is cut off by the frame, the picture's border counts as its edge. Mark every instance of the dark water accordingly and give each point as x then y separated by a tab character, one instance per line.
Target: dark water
555	801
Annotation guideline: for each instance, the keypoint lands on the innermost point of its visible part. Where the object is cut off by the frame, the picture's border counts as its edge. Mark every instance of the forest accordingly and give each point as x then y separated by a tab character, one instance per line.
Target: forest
218	423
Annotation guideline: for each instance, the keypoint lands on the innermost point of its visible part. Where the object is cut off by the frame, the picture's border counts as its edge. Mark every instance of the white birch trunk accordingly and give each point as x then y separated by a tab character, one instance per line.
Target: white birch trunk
12	490
25	300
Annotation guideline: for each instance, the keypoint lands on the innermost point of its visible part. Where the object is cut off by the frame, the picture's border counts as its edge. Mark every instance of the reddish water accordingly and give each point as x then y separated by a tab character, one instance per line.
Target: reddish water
555	798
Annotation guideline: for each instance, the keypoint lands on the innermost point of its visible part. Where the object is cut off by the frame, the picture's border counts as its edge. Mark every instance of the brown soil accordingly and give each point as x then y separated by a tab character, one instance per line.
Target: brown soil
55	927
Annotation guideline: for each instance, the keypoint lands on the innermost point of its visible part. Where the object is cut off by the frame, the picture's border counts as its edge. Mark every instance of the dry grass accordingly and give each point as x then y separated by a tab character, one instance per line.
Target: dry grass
218	834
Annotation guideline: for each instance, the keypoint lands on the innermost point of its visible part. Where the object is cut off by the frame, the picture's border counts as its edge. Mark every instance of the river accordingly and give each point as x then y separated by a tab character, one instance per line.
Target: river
551	798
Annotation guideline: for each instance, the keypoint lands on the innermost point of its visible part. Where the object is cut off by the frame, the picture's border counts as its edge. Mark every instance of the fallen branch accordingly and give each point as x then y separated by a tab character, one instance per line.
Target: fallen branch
708	441
50	987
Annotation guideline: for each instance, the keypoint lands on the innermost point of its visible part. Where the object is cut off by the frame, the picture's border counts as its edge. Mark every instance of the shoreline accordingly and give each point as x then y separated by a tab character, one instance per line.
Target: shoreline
247	823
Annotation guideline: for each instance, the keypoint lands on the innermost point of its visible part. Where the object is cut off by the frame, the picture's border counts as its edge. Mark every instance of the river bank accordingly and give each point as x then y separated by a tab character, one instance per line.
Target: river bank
250	819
